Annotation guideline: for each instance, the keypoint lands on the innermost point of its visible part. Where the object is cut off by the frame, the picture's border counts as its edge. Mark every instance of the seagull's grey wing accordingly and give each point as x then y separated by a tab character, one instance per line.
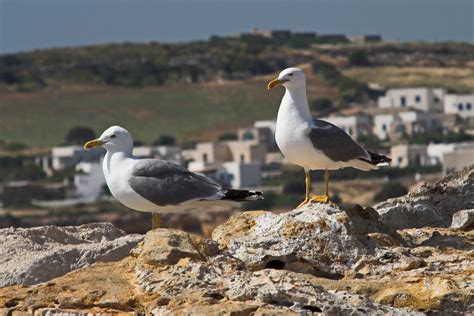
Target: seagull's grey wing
165	183
334	142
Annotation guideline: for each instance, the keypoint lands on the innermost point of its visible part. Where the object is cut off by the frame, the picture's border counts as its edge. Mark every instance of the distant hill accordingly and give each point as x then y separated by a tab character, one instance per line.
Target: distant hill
199	90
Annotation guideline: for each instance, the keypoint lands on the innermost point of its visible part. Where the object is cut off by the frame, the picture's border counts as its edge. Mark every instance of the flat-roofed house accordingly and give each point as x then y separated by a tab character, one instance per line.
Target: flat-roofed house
409	155
396	126
462	105
423	99
354	125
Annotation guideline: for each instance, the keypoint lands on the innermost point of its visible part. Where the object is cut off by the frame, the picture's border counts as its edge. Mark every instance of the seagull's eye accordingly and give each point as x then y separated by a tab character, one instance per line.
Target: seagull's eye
290	74
113	136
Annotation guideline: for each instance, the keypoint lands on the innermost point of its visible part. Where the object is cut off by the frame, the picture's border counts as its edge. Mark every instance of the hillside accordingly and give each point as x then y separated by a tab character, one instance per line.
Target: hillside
199	90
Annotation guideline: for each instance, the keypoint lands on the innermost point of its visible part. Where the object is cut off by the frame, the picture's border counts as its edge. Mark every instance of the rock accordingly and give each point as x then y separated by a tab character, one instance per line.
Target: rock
463	219
321	239
430	205
167	247
317	260
33	255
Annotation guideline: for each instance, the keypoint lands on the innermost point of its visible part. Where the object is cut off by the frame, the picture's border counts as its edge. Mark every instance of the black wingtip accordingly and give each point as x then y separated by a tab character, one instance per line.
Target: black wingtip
242	195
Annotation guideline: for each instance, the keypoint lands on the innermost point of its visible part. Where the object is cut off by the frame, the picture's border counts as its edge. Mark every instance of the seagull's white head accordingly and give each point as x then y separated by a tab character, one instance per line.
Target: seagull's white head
290	78
114	138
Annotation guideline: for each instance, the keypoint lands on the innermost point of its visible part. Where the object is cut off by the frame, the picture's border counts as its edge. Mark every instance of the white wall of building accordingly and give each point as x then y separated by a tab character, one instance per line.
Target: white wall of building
90	180
354	125
243	175
463	105
423	99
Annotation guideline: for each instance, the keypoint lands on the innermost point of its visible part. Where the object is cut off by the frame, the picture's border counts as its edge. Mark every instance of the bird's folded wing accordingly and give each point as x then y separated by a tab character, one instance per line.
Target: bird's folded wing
164	183
334	142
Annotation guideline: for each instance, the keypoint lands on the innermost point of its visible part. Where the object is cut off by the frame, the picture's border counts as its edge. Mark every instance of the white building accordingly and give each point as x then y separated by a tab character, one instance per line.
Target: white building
243	175
437	152
169	153
408	155
89	180
69	156
393	126
354	125
458	160
423	99
463	105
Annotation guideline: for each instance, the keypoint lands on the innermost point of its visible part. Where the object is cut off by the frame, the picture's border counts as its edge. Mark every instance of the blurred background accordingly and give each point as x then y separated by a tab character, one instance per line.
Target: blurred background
188	80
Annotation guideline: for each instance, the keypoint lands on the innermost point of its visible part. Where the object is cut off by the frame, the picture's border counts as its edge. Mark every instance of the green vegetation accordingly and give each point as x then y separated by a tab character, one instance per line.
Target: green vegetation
17	168
351	90
182	110
390	190
78	135
440	137
321	106
359	58
227	136
165	140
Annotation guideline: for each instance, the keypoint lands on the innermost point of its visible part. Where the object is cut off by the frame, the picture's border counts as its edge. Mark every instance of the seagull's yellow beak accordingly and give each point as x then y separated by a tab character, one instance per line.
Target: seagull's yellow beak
93	143
275	82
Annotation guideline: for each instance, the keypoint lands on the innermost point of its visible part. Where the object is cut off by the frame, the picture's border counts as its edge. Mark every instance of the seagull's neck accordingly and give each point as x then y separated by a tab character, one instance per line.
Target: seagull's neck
296	99
115	157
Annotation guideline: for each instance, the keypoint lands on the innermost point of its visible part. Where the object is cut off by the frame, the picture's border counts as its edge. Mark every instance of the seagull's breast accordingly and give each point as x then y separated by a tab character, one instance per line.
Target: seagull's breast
117	172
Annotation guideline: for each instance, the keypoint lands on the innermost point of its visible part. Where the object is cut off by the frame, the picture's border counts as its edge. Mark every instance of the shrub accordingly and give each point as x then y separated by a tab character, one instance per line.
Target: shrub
359	58
165	140
227	136
78	135
321	105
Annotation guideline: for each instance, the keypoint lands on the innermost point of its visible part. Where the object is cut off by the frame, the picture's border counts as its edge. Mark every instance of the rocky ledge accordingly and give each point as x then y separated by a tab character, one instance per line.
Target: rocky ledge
321	259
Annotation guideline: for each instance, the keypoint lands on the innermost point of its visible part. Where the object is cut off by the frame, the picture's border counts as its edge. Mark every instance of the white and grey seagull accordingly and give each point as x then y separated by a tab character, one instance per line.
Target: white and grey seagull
154	185
312	143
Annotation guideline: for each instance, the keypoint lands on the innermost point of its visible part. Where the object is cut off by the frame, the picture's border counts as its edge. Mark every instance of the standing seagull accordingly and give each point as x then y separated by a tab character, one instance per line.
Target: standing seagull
154	185
312	143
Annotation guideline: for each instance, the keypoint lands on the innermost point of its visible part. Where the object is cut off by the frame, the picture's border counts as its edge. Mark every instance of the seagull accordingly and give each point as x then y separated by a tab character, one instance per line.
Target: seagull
312	143
155	185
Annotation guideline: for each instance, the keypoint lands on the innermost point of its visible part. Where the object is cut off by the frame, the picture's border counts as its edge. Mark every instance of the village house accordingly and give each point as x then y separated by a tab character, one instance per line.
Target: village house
396	126
458	159
463	105
437	152
367	38
423	99
169	153
68	156
409	155
354	125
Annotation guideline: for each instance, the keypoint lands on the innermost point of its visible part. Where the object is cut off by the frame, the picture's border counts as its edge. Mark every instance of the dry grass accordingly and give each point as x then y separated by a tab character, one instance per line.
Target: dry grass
455	78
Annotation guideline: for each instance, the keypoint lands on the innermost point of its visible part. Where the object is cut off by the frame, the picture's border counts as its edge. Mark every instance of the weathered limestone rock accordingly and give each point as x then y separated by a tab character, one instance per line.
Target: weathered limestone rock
322	239
463	219
34	255
320	259
430	205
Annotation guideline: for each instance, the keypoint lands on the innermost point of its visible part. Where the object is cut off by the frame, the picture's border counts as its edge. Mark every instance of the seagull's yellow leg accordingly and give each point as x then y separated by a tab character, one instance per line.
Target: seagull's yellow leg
323	198
155	221
307	180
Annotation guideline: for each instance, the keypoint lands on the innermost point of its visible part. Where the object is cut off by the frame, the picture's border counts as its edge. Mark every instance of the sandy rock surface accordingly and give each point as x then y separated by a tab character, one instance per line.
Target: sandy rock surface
34	255
430	205
317	260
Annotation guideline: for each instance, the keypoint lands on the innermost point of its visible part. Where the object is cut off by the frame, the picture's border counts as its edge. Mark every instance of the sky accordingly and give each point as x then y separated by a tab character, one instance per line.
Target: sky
32	24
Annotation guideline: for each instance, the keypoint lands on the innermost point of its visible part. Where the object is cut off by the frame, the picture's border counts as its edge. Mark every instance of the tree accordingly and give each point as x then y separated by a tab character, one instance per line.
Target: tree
359	58
228	136
321	105
390	190
78	135
164	140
